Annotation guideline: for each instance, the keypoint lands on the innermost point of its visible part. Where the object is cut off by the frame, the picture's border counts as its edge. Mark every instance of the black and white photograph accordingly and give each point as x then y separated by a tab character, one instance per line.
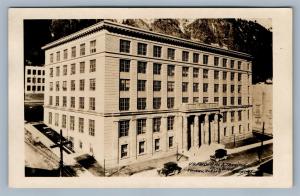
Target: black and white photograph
148	97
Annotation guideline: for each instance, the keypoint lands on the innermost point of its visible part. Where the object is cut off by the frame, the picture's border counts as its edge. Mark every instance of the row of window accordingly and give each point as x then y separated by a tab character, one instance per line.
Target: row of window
35	88
141	86
82	52
35	80
91	123
124	103
92	85
81	102
142	145
240	128
142	69
35	72
92	68
185	57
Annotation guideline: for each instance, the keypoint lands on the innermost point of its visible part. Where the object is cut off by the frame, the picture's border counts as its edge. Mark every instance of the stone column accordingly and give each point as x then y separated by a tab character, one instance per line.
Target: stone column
202	132
196	131
184	135
133	137
206	131
164	130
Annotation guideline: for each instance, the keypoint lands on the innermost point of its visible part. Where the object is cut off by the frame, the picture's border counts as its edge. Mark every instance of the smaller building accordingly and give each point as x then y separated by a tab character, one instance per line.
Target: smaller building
262	107
34	79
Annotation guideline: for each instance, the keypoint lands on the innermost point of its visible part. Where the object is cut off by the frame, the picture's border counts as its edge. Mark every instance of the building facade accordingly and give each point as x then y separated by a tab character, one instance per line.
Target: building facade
34	79
263	107
125	94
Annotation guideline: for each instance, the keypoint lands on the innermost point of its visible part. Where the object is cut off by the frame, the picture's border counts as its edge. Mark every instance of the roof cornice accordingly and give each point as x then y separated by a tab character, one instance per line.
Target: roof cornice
145	34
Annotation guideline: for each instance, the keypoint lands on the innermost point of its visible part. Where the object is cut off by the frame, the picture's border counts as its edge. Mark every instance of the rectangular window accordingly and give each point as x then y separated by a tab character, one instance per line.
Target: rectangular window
141	103
141	85
51	72
81	125
141	147
239	101
156	102
57	71
216	75
185	56
72	85
124	84
205	59
156	68
141	126
216	61
171	69
65	54
81	102
184	86
205	73
170	86
91	127
124	65
142	49
57	86
72	102
224	62
73	69
171	53
232	100
195	87
224	115
170	102
28	87
124	104
92	103
170	120
82	67
205	99
124	46
65	70
64	121
56	120
156	144
81	85
205	87
123	128
51	86
224	100
51	58
224	75
216	99
57	56
239	76
185	99
239	88
239	64
124	150
232	116
231	76
142	67
28	80
239	115
156	124
82	49
156	85
57	101
50	100
72	123
92	46
231	64
185	71
34	72
93	65
195	72
64	87
92	84
39	72
50	118
29	71
64	101
73	52
157	51
171	143
195	99
216	88
224	88
232	88
195	58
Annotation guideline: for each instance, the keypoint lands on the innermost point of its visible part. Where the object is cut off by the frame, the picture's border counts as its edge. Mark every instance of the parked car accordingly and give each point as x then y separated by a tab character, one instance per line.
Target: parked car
220	154
169	168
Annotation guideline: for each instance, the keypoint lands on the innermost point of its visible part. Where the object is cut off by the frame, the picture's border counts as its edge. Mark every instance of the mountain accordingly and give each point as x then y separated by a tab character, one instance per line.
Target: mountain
236	34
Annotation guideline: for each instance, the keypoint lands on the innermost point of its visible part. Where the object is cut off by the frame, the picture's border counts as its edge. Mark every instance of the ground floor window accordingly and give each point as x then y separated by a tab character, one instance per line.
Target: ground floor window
171	141
156	144
124	150
141	147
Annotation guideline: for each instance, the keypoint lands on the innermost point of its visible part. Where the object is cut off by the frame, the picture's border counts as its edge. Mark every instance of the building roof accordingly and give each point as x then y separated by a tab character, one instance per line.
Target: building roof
145	34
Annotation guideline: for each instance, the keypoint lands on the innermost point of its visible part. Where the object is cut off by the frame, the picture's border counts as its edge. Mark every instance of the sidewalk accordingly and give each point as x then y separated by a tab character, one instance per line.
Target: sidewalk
243	148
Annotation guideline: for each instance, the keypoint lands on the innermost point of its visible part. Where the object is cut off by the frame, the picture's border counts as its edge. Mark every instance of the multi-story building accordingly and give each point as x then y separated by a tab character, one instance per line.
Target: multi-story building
126	94
34	79
262	107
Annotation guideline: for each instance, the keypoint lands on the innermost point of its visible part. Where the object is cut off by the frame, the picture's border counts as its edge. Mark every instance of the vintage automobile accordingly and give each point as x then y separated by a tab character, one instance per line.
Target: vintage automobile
220	154
169	168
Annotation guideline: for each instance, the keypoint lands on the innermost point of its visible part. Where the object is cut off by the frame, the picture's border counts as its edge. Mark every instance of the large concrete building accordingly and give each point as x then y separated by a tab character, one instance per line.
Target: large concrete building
125	94
34	79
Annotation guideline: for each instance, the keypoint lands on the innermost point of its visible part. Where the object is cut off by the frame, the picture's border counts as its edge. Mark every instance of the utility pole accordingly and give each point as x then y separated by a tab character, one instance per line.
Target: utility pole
61	145
104	167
